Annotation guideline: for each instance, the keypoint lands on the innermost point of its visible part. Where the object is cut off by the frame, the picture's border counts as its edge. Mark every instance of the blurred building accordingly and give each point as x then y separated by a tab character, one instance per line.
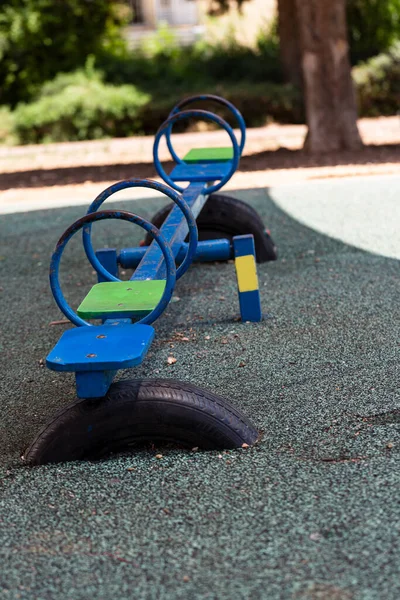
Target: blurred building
189	21
244	25
182	16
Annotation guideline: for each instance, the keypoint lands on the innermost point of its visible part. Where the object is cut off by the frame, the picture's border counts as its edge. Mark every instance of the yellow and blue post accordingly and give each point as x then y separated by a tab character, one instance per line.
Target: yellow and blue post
246	272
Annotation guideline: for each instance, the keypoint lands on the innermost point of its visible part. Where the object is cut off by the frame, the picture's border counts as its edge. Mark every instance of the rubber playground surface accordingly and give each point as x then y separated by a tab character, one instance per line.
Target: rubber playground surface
310	513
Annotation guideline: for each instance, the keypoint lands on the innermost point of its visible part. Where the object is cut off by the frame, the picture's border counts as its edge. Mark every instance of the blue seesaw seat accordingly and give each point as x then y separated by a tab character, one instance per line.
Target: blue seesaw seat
105	347
200	171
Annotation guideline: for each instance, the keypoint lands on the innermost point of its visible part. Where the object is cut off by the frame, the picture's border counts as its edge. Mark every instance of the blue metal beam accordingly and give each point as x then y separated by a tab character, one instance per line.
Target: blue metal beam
207	251
108	258
174	230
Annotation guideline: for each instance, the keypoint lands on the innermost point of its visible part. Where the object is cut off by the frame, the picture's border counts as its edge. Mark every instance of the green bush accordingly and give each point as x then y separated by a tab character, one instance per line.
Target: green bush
264	102
378	84
80	106
7	126
161	63
258	102
40	38
374	26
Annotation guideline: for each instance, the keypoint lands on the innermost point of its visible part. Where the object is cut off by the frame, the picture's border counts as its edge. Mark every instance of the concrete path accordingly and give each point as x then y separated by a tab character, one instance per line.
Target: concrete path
384	130
362	212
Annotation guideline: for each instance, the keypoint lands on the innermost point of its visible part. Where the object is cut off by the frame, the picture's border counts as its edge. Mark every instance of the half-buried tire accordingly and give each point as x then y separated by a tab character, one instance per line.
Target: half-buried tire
224	217
138	411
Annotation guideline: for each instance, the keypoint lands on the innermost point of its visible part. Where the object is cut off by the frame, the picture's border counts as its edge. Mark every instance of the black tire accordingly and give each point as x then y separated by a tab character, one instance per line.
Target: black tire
138	411
225	217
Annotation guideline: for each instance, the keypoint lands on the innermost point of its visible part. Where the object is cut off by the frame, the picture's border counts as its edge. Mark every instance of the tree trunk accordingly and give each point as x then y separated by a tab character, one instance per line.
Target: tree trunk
289	42
328	87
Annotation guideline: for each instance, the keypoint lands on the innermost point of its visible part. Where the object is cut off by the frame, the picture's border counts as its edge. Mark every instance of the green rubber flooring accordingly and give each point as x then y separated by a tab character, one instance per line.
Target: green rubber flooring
311	513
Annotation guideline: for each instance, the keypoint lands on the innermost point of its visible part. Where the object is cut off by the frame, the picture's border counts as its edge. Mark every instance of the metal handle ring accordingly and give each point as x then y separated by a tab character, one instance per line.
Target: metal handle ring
206	98
199	114
154	185
86	221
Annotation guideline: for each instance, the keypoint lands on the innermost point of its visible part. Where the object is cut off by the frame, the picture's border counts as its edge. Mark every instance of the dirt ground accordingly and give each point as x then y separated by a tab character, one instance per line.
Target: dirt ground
273	155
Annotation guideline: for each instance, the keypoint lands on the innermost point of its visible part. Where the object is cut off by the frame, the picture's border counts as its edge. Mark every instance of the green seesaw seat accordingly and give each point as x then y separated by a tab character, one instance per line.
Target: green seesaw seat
121	299
208	155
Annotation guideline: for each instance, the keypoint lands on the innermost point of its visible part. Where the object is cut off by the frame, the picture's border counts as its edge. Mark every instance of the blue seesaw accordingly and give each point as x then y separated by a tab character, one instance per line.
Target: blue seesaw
110	417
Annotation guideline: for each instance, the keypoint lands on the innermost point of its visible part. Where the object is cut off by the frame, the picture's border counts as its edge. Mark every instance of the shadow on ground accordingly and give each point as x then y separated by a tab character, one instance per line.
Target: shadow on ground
267	160
309	513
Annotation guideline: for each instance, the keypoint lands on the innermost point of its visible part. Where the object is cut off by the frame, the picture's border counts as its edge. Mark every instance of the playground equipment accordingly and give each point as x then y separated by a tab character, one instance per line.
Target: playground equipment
110	417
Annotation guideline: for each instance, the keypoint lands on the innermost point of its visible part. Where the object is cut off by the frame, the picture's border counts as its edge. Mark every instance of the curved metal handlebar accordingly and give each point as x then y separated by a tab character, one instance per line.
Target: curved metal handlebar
206	98
154	185
85	222
199	114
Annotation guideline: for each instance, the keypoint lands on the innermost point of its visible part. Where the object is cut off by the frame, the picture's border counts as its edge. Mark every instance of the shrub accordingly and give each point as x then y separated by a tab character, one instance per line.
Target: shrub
262	103
80	106
229	61
268	42
40	38
87	108
7	135
374	26
259	103
378	84
160	63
